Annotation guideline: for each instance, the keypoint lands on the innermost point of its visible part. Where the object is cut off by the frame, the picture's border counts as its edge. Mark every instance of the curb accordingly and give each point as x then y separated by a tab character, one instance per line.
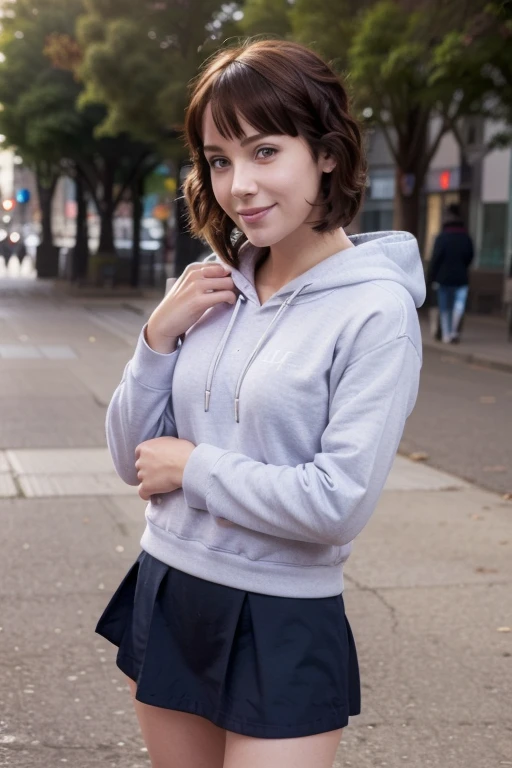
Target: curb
469	357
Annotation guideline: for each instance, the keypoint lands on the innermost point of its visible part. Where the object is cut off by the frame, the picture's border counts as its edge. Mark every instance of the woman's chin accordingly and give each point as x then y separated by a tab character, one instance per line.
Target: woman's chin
263	239
258	240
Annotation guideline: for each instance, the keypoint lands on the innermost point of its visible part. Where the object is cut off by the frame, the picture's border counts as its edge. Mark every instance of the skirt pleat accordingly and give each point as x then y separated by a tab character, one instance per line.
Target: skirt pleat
263	666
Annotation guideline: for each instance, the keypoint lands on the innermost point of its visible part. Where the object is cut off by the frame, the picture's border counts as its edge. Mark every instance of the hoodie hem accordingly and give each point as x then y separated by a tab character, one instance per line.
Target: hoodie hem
260	576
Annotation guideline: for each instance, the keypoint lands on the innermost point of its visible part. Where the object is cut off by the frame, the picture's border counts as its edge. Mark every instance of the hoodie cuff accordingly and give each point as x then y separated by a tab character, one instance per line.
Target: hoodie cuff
153	369
196	475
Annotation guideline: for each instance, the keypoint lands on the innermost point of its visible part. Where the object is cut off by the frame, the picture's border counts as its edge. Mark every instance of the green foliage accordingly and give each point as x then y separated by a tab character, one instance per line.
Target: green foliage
39	115
266	17
327	28
390	63
479	59
138	58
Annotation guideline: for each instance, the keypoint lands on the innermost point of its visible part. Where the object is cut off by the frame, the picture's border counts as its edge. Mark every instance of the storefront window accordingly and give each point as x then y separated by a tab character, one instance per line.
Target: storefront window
494	231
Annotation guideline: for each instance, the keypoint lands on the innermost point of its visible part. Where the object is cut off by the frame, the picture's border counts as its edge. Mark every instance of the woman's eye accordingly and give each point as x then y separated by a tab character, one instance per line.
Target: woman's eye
215	160
268	152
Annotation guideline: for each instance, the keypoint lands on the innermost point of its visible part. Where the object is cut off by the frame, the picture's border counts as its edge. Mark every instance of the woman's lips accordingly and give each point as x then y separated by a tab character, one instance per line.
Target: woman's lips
249	218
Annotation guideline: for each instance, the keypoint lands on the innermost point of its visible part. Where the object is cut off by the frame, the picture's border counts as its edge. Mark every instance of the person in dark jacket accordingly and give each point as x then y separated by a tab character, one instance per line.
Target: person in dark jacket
449	268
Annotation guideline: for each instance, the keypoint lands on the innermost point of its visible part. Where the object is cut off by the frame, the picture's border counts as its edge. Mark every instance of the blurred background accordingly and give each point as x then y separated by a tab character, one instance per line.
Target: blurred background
92	96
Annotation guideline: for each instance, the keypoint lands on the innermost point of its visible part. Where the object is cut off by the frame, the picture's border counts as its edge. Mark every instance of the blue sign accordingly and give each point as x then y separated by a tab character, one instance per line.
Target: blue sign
23	196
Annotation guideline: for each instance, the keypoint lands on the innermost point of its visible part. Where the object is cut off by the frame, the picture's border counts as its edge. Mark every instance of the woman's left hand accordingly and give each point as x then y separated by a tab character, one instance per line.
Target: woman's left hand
160	464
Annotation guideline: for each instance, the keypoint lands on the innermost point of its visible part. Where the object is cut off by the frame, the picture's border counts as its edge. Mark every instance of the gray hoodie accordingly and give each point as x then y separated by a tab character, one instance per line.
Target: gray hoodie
296	408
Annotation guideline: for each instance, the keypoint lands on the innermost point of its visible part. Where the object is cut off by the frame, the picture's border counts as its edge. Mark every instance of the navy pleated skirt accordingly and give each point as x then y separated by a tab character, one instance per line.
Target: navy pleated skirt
262	666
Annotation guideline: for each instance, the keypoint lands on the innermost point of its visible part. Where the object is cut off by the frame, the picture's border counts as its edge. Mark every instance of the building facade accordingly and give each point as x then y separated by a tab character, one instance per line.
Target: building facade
480	182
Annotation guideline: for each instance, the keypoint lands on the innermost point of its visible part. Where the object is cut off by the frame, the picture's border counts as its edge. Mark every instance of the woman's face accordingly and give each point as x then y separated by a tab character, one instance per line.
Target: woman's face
265	184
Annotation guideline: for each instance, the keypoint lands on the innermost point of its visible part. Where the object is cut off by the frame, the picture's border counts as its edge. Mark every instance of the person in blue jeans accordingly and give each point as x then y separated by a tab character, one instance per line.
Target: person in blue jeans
449	269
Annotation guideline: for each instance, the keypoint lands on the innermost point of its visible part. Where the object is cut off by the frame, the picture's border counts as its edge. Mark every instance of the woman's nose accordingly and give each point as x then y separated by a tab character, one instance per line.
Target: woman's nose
243	182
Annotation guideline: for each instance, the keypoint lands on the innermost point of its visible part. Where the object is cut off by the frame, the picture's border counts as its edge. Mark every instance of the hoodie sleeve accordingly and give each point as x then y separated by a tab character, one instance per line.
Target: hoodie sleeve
330	499
141	406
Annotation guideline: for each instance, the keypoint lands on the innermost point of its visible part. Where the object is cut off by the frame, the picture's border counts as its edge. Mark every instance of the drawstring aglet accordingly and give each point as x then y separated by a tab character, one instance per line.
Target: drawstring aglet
207	399
237	410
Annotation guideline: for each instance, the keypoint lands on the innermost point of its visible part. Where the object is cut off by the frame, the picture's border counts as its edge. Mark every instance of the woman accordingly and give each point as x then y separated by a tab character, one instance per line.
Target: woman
260	416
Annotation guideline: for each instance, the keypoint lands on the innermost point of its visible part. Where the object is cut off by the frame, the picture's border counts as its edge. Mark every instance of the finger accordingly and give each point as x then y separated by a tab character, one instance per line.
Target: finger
143	494
216	284
217	297
195	266
214	270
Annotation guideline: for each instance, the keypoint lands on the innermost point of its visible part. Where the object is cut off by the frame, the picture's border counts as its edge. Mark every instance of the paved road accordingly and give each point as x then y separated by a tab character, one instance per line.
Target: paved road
463	421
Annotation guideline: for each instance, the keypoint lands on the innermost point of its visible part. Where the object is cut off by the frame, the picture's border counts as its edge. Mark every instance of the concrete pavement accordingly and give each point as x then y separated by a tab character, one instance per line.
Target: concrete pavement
483	342
428	584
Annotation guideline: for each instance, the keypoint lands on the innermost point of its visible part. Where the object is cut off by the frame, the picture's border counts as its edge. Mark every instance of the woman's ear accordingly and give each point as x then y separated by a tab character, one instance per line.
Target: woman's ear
327	163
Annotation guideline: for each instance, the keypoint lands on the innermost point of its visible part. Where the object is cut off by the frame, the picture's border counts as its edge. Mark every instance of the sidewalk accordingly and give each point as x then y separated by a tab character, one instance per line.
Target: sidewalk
428	583
483	342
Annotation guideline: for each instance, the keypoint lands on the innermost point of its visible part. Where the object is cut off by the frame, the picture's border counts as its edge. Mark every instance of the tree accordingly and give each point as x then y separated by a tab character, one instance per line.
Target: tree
328	28
394	72
38	115
138	58
481	54
266	17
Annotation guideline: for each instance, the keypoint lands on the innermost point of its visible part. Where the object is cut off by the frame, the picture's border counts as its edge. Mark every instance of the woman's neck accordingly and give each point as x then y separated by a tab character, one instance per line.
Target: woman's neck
287	260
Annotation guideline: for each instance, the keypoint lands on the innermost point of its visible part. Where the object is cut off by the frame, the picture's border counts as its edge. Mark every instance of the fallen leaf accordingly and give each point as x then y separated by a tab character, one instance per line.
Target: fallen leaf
488	399
482	569
495	468
477	517
418	456
507	497
504	629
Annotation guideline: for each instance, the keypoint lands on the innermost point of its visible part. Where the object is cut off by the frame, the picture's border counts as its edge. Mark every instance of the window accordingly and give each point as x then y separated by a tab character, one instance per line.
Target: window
494	232
376	221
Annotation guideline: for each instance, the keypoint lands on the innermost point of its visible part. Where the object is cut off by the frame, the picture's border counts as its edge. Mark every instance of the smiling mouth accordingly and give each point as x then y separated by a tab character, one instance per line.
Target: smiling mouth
255	214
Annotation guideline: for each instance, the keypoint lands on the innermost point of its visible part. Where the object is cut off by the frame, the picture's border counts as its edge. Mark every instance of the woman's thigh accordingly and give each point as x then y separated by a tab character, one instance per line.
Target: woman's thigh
316	751
178	739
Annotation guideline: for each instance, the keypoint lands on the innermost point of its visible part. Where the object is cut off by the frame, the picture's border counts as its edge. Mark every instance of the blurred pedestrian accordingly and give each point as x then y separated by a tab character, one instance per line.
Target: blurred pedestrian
449	270
260	417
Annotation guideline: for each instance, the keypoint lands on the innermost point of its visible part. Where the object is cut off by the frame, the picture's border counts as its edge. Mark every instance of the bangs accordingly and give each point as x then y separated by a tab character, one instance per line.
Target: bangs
241	91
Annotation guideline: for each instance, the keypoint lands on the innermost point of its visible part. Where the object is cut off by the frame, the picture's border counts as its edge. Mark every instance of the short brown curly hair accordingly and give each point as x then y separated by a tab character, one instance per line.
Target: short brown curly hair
278	87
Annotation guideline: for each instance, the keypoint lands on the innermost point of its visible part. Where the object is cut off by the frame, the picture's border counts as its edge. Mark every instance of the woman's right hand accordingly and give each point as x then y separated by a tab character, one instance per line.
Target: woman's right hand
196	290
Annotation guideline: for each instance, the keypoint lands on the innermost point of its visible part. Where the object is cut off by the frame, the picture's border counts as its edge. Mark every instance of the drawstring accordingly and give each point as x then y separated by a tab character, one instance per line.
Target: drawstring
219	351
222	344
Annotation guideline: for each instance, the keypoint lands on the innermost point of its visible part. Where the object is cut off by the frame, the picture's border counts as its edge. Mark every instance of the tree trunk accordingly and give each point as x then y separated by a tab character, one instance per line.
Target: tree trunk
137	210
410	172
45	202
406	213
47	254
106	243
81	249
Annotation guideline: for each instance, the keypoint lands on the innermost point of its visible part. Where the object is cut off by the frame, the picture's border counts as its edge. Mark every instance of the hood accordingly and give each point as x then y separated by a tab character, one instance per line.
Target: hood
379	256
376	256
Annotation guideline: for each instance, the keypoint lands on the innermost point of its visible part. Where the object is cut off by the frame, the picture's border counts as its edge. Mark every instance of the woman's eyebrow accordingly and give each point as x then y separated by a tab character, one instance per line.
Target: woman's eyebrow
243	143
